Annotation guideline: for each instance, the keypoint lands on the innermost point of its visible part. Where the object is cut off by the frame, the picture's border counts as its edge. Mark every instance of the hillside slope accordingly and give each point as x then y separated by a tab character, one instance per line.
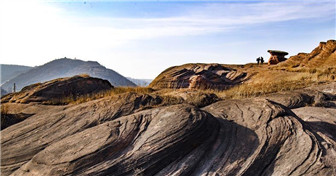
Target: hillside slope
290	133
3	92
66	68
317	66
11	71
57	89
322	56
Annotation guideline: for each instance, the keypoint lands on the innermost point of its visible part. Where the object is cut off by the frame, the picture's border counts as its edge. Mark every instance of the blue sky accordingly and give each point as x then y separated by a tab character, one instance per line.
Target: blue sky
142	38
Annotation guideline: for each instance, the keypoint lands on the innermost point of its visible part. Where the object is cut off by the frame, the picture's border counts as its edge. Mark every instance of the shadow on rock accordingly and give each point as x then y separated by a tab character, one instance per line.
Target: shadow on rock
11	119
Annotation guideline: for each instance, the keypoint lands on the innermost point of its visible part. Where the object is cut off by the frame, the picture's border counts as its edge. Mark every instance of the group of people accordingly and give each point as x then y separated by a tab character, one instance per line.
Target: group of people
260	60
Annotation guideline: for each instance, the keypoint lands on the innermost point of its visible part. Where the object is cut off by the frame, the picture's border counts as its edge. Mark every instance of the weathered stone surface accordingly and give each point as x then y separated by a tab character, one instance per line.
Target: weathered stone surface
57	89
276	56
144	142
322	56
281	134
199	76
20	142
194	97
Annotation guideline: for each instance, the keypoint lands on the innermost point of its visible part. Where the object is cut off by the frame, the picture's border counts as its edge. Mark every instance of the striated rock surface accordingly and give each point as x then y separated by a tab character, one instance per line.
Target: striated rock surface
199	76
57	89
291	133
322	56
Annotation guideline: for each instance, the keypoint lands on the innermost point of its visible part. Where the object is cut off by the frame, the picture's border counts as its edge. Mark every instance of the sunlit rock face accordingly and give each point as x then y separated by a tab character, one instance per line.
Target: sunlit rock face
199	76
323	56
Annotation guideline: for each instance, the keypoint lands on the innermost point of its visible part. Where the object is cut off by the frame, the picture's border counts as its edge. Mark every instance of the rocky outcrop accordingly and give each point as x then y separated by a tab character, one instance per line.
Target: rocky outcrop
134	134
322	56
199	76
50	124
276	56
55	90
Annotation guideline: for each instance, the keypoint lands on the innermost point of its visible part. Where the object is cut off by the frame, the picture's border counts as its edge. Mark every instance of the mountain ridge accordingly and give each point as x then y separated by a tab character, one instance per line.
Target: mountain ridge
66	67
10	71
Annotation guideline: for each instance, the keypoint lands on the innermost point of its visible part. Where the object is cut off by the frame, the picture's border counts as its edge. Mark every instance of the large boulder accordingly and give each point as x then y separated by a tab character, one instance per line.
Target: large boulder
54	91
276	56
199	76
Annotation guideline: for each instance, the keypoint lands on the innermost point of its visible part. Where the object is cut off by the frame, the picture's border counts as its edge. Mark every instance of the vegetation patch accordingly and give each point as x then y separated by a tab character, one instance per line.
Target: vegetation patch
73	99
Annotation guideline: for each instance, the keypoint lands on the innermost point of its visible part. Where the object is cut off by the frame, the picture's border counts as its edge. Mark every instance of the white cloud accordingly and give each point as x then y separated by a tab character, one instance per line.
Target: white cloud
34	31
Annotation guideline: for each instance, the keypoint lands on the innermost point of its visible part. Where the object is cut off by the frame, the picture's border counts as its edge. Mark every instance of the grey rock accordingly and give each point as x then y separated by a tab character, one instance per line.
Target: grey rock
132	134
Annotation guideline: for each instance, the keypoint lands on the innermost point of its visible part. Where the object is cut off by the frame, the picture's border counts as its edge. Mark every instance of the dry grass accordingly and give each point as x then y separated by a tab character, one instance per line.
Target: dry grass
258	89
4	109
279	81
88	97
265	80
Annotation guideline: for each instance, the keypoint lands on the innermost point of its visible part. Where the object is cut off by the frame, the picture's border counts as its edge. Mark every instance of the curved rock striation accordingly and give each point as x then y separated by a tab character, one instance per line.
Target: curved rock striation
283	134
47	127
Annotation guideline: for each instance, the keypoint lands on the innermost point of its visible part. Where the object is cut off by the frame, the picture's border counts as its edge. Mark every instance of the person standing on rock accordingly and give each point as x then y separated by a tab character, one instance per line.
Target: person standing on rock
258	60
262	60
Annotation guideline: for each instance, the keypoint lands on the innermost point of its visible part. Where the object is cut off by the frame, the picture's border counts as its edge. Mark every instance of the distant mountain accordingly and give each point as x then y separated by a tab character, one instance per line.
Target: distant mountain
11	71
66	67
140	82
3	92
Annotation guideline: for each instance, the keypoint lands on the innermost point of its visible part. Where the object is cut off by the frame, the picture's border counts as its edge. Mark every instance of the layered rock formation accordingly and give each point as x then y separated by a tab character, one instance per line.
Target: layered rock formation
57	89
322	56
198	76
134	134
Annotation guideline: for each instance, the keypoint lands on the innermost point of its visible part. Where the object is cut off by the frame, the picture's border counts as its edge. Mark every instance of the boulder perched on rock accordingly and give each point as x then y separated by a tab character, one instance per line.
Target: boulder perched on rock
276	56
57	89
199	76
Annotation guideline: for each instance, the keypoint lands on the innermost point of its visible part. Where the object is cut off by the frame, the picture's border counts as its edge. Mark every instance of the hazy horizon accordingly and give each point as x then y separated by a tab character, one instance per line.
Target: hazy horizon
140	39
